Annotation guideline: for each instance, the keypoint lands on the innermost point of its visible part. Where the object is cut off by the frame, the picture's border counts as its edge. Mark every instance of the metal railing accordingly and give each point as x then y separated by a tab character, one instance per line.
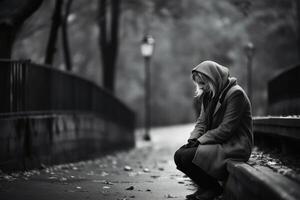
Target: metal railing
28	88
284	93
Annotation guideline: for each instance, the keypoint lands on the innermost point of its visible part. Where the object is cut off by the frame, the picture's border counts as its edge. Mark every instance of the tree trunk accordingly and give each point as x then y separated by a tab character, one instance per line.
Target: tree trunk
56	22
65	41
13	14
7	37
298	26
114	43
108	41
102	37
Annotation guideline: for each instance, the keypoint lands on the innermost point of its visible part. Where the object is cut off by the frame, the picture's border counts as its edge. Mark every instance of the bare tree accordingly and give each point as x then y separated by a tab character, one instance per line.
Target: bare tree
298	25
56	22
108	39
64	31
13	13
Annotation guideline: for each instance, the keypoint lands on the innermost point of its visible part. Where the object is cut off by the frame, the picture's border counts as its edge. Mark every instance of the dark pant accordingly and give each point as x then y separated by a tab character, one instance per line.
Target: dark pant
183	159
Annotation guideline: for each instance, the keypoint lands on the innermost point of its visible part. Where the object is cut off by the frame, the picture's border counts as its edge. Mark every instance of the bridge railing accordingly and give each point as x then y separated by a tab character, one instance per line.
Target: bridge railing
27	88
284	93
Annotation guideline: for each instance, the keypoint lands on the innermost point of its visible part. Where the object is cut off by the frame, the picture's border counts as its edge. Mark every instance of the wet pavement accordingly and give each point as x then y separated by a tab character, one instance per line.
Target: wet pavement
145	172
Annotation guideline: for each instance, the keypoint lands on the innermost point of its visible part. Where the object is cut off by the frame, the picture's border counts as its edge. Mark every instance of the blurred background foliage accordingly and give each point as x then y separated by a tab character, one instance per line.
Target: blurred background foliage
186	33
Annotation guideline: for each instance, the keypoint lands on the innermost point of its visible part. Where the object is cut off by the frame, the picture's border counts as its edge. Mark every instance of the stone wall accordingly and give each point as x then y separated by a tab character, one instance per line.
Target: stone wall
32	140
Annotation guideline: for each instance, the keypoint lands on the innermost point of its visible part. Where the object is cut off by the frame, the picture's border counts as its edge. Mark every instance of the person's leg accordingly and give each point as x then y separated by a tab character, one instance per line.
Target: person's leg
177	157
183	159
178	161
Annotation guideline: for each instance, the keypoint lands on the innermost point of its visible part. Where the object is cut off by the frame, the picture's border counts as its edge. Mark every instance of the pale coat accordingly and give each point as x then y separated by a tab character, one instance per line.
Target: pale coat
229	136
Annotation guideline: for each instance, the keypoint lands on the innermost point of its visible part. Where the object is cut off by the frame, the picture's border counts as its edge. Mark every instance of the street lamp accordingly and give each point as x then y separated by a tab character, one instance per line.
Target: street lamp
147	49
250	50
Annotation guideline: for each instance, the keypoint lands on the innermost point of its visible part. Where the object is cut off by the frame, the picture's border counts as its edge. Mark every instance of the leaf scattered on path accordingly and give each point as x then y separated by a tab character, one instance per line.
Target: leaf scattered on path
146	170
155	176
130	188
133	174
169	196
106	182
104	174
127	168
161	169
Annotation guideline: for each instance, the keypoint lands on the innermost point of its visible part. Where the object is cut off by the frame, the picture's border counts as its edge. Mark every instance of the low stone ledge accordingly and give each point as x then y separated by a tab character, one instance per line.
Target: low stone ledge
280	126
277	132
259	183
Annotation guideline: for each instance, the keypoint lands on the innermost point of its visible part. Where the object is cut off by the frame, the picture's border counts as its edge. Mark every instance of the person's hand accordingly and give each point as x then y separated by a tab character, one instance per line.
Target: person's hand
192	143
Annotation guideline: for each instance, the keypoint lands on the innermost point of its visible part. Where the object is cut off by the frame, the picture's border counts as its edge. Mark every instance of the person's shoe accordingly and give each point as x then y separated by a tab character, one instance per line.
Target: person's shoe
208	195
198	192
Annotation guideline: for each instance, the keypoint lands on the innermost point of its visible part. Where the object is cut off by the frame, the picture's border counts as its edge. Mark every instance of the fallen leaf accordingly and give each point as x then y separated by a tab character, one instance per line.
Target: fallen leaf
146	170
127	168
169	196
75	168
9	178
161	168
130	188
271	163
104	174
106	182
63	179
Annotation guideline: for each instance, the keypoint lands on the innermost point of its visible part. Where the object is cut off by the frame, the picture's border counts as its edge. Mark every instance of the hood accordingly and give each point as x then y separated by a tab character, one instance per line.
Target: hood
218	74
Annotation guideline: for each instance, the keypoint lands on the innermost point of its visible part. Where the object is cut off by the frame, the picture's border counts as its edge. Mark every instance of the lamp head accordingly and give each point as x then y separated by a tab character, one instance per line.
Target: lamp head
147	46
250	49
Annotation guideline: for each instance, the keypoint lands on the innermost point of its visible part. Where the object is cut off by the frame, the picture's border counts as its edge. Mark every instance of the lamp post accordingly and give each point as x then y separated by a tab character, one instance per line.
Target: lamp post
250	50
147	49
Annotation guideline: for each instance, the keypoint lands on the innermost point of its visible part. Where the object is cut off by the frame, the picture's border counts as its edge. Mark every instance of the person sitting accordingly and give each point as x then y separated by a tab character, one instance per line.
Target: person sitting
223	131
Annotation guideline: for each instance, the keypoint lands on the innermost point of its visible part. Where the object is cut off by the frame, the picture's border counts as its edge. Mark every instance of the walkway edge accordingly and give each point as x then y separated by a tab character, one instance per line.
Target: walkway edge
247	182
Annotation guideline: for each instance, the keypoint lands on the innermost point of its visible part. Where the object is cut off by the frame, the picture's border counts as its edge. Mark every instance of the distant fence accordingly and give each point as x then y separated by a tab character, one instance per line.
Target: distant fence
281	127
284	93
50	116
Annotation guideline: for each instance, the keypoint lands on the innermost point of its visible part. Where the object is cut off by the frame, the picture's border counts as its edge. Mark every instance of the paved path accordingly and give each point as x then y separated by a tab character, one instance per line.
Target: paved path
146	172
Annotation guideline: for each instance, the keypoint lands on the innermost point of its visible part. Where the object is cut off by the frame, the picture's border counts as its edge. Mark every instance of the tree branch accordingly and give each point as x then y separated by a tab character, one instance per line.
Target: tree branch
14	12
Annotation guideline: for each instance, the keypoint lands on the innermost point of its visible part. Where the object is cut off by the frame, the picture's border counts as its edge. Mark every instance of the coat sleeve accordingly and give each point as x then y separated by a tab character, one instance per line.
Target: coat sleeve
200	126
234	110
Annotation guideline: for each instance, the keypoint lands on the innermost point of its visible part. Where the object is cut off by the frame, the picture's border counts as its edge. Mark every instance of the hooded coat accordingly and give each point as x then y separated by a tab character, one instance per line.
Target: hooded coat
224	127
